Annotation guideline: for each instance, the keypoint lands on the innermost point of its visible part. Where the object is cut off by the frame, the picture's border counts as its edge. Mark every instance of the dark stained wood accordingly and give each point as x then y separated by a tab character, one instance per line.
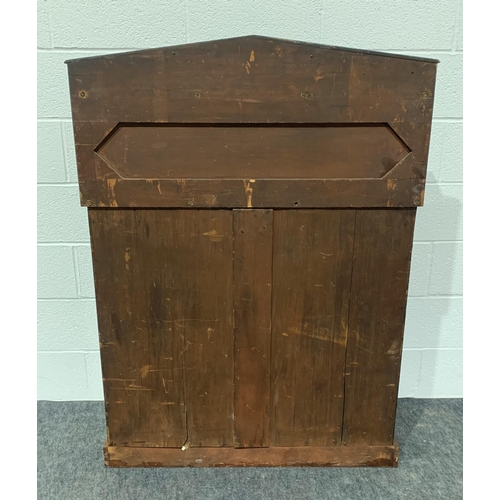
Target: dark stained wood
206	272
254	193
251	206
253	246
163	281
253	81
381	266
232	152
311	279
141	358
298	456
250	79
413	165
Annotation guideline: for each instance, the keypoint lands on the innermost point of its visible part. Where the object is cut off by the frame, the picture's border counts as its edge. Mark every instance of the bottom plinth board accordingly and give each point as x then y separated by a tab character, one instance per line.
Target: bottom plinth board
300	456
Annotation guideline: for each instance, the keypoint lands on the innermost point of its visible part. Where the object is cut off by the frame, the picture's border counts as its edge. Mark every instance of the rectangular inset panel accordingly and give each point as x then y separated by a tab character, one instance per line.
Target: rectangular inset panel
381	266
253	234
164	302
312	259
265	151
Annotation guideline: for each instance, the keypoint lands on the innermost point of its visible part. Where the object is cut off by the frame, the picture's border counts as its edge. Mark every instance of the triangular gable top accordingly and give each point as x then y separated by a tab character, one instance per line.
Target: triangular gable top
250	38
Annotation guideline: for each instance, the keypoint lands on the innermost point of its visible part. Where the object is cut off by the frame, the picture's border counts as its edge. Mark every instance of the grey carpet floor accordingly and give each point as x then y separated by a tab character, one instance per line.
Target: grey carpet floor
70	464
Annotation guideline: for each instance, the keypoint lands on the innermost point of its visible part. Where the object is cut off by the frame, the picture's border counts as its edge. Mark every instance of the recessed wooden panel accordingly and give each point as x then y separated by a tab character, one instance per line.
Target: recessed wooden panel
253	152
311	282
164	304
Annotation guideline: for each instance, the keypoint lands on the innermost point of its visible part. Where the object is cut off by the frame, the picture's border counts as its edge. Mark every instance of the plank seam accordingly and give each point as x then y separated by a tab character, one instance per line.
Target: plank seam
271	371
348	328
235	442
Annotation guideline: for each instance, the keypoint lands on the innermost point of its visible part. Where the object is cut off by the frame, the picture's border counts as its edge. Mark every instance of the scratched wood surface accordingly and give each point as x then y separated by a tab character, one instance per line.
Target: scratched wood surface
311	278
381	266
251	208
253	247
375	110
278	456
250	328
255	193
164	303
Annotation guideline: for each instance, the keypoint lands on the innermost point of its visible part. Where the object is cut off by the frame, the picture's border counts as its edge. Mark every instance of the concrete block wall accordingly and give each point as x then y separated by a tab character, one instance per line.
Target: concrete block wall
68	361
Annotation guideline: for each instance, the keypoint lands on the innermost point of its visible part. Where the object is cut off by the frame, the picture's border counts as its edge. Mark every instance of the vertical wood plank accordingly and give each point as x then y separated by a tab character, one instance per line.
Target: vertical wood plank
312	260
205	307
381	265
164	302
141	358
253	232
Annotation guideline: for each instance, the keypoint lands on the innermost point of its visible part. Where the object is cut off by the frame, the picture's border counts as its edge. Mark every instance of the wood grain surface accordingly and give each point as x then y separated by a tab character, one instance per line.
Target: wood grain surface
241	152
311	279
298	456
307	111
380	275
255	193
164	302
253	254
251	209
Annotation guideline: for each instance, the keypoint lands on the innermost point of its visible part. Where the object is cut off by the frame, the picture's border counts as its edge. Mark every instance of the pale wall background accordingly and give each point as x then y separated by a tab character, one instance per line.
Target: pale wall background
68	359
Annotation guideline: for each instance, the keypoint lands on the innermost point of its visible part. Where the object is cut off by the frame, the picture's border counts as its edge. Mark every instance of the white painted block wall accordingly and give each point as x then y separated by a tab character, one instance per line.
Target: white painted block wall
68	360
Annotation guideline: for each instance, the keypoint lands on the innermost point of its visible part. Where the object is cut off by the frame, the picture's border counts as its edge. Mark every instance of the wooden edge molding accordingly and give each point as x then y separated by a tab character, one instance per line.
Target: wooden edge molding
300	456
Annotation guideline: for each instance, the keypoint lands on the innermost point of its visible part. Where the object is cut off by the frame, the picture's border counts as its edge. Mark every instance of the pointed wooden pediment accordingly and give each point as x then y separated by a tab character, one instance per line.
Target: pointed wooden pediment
252	109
